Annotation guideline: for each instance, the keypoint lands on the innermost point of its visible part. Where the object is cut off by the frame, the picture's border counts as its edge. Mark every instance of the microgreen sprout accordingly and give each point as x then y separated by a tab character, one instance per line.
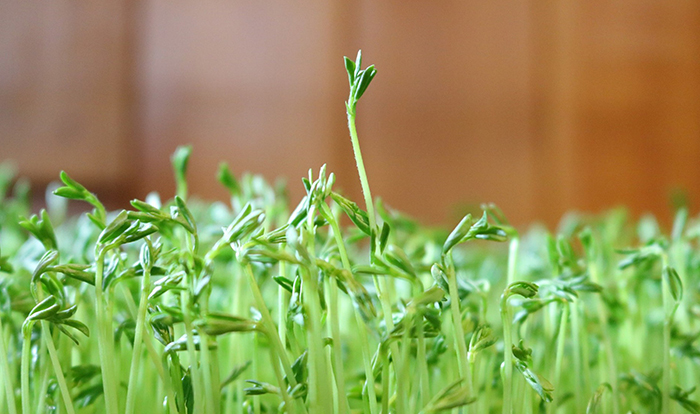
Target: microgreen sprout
181	306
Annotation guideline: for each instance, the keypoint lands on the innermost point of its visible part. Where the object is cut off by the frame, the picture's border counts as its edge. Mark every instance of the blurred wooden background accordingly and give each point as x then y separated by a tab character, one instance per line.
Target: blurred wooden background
539	106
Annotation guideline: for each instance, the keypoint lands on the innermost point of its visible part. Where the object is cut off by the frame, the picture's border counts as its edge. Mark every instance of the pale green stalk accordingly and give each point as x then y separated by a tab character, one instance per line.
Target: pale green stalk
60	379
135	369
236	350
26	357
507	357
152	353
578	360
104	337
288	403
212	405
668	303
7	377
369	204
607	343
195	373
343	406
282	301
561	341
423	367
256	374
506	318
189	334
270	329
319	393
361	331
40	400
462	359
513	247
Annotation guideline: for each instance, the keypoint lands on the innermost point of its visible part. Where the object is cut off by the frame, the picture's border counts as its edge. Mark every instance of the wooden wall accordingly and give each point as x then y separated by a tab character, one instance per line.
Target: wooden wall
539	106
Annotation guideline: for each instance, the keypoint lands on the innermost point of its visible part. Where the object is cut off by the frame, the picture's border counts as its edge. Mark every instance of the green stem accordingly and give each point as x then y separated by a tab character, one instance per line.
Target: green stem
288	403
157	361
362	333
271	330
385	380
236	350
512	258
189	334
319	394
561	341
668	304
282	301
369	204
337	349
40	402
104	336
60	379
7	378
607	343
578	359
26	357
462	360
423	367
135	368
212	407
507	356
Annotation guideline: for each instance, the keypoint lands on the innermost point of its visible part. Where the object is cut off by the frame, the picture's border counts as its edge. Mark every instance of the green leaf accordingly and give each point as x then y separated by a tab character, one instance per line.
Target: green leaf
674	283
458	234
593	403
450	397
115	228
681	397
42	229
216	324
358	216
180	160
228	180
542	387
366	77
44	309
524	289
350	69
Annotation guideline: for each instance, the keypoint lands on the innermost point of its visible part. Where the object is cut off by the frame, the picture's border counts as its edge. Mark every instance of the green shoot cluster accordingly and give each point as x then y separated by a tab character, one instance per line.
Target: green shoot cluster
181	306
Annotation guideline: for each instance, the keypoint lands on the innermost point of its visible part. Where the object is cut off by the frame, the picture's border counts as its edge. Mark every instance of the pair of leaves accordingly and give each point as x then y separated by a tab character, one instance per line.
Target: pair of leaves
75	191
50	310
523	360
453	396
467	230
358	78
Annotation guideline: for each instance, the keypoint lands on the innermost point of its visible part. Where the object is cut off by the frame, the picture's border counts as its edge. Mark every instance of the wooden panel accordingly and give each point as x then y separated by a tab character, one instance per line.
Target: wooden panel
448	122
62	89
245	82
624	94
541	106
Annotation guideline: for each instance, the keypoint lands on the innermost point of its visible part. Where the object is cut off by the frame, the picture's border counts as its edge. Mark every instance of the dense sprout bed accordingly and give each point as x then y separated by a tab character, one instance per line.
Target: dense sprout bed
329	306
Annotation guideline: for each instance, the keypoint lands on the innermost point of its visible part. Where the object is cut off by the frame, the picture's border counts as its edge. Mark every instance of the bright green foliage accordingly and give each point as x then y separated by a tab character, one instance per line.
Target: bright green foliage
262	306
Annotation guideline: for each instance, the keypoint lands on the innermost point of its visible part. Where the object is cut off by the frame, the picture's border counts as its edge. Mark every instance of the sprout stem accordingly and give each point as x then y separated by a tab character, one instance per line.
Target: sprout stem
7	377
